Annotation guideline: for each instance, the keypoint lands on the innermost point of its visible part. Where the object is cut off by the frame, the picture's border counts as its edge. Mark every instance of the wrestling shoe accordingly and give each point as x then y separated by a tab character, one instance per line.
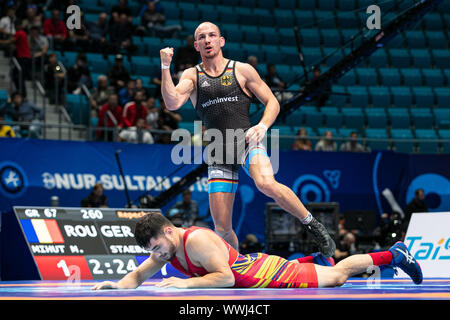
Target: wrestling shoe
326	245
402	258
319	258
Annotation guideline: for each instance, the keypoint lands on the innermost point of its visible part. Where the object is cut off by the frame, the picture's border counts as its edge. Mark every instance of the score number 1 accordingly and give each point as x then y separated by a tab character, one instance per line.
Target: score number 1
71	277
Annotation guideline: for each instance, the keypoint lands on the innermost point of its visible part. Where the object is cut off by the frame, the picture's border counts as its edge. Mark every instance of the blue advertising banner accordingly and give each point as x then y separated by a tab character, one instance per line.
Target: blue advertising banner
32	171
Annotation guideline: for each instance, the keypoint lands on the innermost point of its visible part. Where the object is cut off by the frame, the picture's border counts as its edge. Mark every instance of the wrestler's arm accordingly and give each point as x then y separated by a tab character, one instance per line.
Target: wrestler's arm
135	278
260	89
209	255
175	96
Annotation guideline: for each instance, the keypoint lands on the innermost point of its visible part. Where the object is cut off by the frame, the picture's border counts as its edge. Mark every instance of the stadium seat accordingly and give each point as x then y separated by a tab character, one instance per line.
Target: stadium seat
296	118
402	146
427	146
433	77
367	76
287	37
304	19
442	97
424	96
353	118
445	135
3	97
433	21
251	34
442	117
227	15
421	58
402	97
78	108
348	79
399	118
265	17
97	63
441	58
422	118
390	76
372	133
346	19
415	39
333	118
209	12
338	100
436	39
287	4
325	19
376	117
411	77
378	59
246	16
359	96
313	117
380	97
284	18
331	38
312	55
310	37
399	58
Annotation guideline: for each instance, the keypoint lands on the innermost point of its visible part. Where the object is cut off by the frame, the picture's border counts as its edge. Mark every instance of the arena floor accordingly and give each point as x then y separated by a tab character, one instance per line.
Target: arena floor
354	289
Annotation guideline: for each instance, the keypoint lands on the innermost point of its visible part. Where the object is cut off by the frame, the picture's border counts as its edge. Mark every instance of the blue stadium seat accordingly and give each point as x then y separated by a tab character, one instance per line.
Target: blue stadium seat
441	58
337	99
399	58
290	55
296	118
312	55
310	37
415	39
253	49
227	14
265	17
402	97
326	5
331	38
143	66
411	77
270	36
376	117
346	19
436	39
446	76
399	118
267	4
304	19
307	5
421	58
379	59
313	117
78	108
252	34
287	4
333	118
367	76
246	16
422	118
68	59
287	37
424	96
284	18
325	19
390	76
427	146
97	63
433	21
274	56
402	146
380	97
358	96
348	79
442	97
209	12
353	118
285	72
445	135
433	77
153	44
442	117
234	51
373	133
188	113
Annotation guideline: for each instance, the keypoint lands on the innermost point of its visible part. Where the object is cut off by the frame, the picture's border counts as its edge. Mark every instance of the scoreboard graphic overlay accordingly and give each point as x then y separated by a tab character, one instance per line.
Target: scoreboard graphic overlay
82	243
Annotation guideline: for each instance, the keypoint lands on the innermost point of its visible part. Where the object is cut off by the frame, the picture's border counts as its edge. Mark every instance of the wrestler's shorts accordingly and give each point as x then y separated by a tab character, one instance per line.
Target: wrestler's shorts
224	177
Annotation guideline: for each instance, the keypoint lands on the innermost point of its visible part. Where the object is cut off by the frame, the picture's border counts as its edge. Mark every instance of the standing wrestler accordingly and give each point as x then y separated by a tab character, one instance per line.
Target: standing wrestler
221	91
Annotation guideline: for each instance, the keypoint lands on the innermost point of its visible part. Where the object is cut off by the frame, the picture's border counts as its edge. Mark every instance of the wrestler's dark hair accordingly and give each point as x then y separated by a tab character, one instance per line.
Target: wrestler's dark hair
150	226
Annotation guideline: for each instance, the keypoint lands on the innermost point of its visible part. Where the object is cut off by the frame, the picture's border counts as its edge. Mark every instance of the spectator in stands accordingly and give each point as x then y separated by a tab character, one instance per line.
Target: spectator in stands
22	54
109	117
326	143
120	35
78	39
152	113
96	198
137	133
185	212
33	18
352	145
127	94
53	75
322	97
55	30
98	32
302	142
168	120
140	87
5	130
155	23
19	110
38	46
253	61
276	84
101	93
186	56
345	247
415	205
134	110
79	75
121	8
118	75
7	29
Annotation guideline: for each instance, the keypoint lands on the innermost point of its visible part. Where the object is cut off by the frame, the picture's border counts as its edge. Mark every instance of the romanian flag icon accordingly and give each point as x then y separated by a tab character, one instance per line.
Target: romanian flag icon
42	231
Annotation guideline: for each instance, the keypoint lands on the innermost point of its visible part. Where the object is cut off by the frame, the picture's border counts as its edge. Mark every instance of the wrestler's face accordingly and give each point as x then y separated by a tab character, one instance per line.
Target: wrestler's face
208	40
163	247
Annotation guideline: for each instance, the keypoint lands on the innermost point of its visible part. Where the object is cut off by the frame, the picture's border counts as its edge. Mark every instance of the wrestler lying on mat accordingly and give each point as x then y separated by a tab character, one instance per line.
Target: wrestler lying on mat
210	262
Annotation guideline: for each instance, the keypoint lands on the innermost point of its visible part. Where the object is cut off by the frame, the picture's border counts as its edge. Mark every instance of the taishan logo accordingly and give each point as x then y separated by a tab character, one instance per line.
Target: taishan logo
428	250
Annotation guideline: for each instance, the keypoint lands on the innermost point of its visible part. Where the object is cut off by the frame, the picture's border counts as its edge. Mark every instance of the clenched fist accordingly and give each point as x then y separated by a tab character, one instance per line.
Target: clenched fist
166	56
